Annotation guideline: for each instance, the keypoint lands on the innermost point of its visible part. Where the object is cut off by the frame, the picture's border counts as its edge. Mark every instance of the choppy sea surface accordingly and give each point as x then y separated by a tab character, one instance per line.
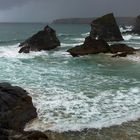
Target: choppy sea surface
92	91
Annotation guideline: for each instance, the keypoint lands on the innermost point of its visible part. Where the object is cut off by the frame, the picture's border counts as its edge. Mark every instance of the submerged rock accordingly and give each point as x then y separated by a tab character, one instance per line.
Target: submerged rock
16	109
90	46
43	40
106	28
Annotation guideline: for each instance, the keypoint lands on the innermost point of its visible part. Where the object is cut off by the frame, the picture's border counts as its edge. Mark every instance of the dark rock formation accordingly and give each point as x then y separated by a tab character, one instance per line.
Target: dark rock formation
43	40
93	46
106	28
136	29
115	48
90	46
16	109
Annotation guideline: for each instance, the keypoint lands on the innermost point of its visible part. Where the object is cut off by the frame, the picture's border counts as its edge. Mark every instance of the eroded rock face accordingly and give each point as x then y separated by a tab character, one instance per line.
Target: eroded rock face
136	29
16	107
106	28
43	40
90	46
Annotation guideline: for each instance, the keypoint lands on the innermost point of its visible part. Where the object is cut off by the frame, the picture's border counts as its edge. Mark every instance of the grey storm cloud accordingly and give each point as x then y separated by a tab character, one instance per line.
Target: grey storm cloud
47	10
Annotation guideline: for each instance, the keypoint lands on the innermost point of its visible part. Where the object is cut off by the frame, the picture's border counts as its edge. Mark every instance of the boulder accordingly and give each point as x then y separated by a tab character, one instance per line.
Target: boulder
115	48
136	29
106	28
16	107
90	46
43	40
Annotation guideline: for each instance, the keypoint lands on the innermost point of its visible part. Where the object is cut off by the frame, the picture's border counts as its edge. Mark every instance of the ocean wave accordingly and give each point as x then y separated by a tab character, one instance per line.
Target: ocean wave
65	35
74	112
75	39
127	37
135	57
131	37
85	34
78	39
10	41
126	29
11	51
70	44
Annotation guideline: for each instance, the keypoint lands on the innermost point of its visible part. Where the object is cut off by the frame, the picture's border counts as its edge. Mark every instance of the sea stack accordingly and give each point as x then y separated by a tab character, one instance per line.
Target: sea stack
136	29
43	40
106	28
103	29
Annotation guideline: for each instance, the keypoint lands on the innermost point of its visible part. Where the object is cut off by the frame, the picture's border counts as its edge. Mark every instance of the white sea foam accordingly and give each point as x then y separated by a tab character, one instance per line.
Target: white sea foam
60	112
131	37
135	58
65	35
76	39
126	28
127	37
70	45
11	51
85	34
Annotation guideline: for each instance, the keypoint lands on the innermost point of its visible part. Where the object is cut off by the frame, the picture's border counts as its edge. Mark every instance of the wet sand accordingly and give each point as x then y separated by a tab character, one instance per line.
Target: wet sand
126	131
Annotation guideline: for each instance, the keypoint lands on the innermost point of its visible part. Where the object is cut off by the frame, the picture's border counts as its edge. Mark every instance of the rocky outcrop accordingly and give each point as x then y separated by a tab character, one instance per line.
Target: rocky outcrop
136	29
90	46
16	109
106	28
43	40
115	48
93	46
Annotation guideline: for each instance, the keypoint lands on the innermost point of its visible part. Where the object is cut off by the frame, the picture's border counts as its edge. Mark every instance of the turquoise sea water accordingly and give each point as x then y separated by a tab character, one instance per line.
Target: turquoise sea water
93	91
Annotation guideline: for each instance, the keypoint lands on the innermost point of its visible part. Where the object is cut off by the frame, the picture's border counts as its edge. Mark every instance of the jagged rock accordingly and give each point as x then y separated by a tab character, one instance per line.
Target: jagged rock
106	28
43	40
90	46
136	29
16	107
93	46
115	48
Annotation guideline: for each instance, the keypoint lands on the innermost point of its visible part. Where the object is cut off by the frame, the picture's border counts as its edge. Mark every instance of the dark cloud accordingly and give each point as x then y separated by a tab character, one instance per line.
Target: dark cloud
46	10
6	4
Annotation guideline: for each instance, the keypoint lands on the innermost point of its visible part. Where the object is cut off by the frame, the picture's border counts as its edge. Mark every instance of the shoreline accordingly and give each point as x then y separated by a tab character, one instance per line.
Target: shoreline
125	131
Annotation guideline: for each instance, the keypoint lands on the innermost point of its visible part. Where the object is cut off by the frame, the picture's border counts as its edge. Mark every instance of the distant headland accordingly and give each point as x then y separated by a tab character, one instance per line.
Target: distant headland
120	20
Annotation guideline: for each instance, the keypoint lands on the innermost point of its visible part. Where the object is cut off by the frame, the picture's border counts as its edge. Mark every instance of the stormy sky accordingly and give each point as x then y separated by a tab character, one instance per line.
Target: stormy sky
48	10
